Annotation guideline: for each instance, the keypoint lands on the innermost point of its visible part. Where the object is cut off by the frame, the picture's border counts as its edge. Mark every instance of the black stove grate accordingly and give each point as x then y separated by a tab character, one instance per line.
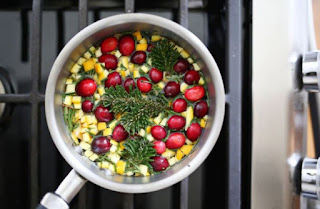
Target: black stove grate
231	142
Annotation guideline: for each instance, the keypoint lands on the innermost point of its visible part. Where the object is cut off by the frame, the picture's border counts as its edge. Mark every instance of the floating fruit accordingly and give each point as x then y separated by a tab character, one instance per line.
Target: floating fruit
191	77
109	44
102	114
158	132
179	105
113	79
100	145
127	83
159	163
160	147
87	106
194	93
144	84
200	109
172	89
139	57
175	140
86	87
176	122
110	61
193	132
119	133
126	45
155	75
150	46
181	66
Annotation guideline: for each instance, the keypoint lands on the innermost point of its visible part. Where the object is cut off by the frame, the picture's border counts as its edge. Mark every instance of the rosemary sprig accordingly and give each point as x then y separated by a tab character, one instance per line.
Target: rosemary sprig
135	109
68	118
164	55
138	151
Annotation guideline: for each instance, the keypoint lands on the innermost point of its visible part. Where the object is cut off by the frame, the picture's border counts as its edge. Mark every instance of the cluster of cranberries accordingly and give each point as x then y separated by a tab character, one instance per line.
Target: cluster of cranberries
176	123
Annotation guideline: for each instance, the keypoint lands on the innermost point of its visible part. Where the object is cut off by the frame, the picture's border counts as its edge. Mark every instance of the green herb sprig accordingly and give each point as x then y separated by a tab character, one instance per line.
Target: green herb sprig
164	55
68	115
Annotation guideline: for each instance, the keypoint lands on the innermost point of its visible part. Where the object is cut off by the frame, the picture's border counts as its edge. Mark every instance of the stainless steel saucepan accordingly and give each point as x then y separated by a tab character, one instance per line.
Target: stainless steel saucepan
83	168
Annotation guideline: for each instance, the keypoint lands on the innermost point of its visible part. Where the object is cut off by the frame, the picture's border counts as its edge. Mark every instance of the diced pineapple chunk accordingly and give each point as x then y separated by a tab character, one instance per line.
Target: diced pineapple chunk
145	69
67	100
103	75
93	157
70	88
129	173
148	129
113	148
81	60
184	114
149	62
141	47
113	142
184	54
202	123
143	41
121	166
105	164
143	169
161	85
88	153
125	62
158	119
164	121
189	116
75	68
196	67
95	78
96	96
179	154
86	137
112	168
98	68
150	137
83	119
117	54
186	149
88	65
101	90
85	145
114	157
123	73
131	67
107	132
92	49
118	69
142	132
76	99
77	106
87	55
183	87
188	141
168	154
102	126
205	117
74	138
112	124
121	144
172	161
155	38
98	52
118	116
69	81
201	81
137	34
93	131
178	48
190	60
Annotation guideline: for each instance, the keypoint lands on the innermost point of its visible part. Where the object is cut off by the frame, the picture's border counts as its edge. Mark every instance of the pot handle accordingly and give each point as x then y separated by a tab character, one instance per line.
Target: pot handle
66	191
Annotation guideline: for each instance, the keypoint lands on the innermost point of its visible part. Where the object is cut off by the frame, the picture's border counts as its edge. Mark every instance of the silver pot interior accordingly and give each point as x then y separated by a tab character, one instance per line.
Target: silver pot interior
91	36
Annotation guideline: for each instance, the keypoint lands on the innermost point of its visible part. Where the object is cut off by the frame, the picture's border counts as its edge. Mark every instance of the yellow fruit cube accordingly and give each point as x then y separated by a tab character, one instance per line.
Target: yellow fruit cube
190	60
101	90
121	145
158	119
102	126
141	47
143	169
123	73
142	132
83	119
150	137
77	106
148	129
137	34
103	75
149	62
76	99
145	69
114	157
71	88
155	38
184	114
164	121
74	138
184	54
93	157
202	123
201	81
186	149
105	164
121	166
86	137
69	81
117	54
112	124
205	117
113	148
87	55
88	153
92	49
98	52
168	154
196	67
179	154
67	100
161	85
81	60
96	79
189	116
107	132
172	161
131	67
88	65
98	68
75	68
96	96
143	41
93	131
188	141
125	62
85	145
183	87
178	48
113	142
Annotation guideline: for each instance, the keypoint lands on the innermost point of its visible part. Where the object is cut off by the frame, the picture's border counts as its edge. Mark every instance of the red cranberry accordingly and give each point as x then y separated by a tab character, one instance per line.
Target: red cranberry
110	61
176	122
119	133
155	75
179	105
102	114
193	132
139	57
172	89
144	84
87	106
113	79
201	109
175	140
159	163
181	65
101	145
158	132
191	77
86	87
160	147
149	48
195	93
126	45
109	44
127	83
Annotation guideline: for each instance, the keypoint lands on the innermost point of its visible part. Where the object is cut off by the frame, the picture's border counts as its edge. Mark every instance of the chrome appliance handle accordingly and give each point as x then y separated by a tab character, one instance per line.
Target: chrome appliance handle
66	191
311	71
310	178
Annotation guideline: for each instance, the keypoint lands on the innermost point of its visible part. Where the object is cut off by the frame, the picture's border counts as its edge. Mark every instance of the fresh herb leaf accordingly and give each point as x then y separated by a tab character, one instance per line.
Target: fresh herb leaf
164	55
68	116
